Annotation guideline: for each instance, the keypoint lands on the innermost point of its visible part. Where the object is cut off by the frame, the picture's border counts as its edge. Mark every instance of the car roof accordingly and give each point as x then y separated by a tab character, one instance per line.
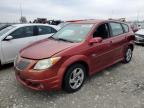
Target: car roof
29	24
94	21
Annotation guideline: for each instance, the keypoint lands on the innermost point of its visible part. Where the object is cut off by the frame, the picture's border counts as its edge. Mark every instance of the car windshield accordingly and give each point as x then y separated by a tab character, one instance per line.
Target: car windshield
2	32
73	32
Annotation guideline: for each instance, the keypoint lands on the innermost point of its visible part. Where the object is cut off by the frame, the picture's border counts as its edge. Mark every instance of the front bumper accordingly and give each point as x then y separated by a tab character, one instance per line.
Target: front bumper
52	83
36	80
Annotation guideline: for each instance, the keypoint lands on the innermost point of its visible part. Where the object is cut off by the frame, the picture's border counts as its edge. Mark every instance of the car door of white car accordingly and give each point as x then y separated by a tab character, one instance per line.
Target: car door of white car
45	32
21	37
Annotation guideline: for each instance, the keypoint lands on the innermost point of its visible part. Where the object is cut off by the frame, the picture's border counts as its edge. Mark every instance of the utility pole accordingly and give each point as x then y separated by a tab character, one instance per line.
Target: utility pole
137	16
20	7
21	13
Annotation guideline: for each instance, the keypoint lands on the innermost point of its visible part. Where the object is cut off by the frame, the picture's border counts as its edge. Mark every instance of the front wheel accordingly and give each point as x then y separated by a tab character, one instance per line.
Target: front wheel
128	55
74	78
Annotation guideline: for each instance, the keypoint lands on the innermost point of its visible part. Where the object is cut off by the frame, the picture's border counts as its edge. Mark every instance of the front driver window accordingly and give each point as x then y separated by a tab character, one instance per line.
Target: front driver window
22	32
102	31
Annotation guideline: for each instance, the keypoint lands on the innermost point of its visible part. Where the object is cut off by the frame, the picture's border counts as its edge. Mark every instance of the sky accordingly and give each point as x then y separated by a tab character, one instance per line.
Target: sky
71	9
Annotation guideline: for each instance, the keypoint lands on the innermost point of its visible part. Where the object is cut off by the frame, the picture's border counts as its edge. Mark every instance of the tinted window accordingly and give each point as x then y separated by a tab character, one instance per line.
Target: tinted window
45	30
102	31
22	32
126	28
116	29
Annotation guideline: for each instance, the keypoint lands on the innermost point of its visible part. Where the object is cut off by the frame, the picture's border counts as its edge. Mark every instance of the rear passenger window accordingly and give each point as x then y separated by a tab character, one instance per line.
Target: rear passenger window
116	29
42	30
126	28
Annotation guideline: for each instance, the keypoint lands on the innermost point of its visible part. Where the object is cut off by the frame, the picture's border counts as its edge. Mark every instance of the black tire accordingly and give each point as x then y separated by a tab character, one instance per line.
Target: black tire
128	55
67	84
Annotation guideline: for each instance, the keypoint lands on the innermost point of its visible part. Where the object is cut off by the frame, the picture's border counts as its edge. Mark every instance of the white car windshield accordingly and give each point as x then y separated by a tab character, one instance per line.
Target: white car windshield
2	32
73	32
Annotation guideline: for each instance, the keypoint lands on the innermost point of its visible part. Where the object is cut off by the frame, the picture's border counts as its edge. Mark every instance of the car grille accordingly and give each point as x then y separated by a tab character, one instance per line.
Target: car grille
23	64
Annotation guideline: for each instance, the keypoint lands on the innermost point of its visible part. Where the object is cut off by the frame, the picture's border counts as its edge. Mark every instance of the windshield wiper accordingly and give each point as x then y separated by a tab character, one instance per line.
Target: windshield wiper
61	39
65	40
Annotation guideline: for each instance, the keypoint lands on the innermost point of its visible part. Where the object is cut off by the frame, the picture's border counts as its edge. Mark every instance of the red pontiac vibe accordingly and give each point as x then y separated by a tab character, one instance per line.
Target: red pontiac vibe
77	51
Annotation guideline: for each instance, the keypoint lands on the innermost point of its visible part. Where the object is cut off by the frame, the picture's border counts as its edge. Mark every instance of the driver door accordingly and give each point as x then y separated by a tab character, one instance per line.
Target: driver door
100	52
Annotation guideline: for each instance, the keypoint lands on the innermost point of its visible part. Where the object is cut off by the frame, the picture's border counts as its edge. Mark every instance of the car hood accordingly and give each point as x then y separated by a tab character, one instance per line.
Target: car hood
45	49
141	32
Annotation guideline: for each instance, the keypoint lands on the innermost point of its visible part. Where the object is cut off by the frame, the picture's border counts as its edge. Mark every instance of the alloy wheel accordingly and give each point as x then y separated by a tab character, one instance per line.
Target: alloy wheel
76	78
128	54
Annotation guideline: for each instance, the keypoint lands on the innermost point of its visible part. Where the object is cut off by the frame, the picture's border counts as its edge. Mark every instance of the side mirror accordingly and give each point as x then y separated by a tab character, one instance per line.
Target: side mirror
8	38
95	40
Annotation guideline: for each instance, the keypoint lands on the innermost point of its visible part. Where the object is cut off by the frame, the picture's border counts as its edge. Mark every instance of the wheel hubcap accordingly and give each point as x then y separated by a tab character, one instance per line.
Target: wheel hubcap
128	54
76	78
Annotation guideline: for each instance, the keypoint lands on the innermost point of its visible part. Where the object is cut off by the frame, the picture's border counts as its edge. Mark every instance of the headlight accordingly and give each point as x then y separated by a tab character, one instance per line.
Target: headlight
46	63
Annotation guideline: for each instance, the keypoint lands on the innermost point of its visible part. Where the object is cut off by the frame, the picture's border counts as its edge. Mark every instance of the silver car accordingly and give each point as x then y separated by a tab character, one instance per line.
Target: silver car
15	37
139	35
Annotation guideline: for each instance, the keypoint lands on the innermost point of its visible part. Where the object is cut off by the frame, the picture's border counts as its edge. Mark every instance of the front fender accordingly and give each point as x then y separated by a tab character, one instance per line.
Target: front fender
69	62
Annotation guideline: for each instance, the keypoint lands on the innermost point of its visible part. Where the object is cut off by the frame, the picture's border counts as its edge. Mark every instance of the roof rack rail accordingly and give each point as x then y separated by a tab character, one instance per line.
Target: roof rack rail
120	19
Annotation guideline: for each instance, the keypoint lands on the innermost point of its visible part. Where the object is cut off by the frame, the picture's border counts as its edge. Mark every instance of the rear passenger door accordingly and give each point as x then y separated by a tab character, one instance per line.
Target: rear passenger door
45	32
118	40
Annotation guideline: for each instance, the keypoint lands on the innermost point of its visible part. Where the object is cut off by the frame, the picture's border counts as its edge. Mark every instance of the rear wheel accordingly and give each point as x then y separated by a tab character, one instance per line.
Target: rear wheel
74	78
128	55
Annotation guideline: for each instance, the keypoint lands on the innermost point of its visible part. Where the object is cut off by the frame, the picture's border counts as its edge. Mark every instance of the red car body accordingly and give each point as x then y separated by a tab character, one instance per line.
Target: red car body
94	57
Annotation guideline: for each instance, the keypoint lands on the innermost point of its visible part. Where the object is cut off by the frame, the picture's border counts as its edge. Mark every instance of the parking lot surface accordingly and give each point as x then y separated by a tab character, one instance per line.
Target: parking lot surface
120	86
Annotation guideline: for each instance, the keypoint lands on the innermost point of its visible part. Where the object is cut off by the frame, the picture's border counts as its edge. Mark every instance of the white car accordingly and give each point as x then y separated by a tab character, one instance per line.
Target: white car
15	37
139	37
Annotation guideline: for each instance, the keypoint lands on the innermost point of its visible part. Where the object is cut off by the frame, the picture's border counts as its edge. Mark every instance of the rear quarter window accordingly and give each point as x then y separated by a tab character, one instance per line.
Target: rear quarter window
126	28
42	30
116	29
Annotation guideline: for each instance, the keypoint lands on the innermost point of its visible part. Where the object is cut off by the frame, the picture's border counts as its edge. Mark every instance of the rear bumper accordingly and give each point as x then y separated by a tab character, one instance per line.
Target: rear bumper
52	83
